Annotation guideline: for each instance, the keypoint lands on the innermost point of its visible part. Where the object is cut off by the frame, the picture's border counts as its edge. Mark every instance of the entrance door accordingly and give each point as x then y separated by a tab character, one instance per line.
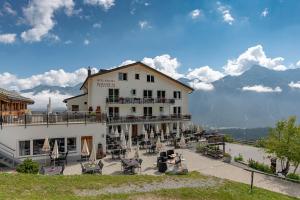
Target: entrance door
134	130
89	141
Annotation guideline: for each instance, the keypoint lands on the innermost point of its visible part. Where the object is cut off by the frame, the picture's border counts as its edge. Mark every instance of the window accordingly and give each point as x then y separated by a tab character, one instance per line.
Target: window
150	78
147	111
133	92
133	109
75	108
161	109
147	94
137	77
122	76
71	144
24	148
177	95
161	94
85	103
37	147
177	110
113	95
113	111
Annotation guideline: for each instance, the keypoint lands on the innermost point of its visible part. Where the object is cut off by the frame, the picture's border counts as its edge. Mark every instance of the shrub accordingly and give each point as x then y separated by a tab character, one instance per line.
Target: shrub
228	138
28	166
238	158
259	166
227	155
200	148
293	176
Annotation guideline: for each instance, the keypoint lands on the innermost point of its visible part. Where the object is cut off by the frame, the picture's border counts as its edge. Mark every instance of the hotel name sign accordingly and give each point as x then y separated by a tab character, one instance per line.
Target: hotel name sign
103	83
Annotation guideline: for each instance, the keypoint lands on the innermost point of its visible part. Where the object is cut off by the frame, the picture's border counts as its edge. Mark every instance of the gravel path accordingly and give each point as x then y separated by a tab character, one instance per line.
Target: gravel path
154	186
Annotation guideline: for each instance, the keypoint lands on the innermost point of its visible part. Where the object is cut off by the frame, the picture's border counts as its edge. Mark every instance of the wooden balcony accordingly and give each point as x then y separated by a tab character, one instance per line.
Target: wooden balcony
129	100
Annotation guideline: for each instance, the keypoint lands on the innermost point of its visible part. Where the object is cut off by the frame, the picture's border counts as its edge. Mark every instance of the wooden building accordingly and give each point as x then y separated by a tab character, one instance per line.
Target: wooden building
12	103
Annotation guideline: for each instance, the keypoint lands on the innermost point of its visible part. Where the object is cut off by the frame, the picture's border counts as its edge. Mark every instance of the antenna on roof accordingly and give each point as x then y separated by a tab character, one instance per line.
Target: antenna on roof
89	71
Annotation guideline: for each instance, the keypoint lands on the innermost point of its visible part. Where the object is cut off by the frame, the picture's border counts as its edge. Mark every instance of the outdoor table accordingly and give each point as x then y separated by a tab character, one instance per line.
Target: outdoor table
51	170
151	148
131	164
91	168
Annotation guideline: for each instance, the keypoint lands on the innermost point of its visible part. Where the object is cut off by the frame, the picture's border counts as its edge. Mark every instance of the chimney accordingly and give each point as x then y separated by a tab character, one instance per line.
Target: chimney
89	71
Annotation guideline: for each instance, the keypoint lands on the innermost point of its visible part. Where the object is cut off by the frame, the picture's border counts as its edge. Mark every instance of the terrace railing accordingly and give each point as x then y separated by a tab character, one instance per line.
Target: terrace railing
55	118
130	119
129	100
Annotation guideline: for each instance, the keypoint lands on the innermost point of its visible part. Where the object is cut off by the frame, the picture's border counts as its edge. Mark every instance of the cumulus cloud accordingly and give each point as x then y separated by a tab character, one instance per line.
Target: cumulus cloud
40	14
253	56
205	74
225	11
105	4
7	8
8	38
261	89
41	99
86	42
52	78
199	85
144	24
97	25
295	84
195	14
265	12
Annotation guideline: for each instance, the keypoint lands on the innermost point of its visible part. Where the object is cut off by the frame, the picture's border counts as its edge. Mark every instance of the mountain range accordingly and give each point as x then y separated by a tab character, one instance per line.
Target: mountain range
231	103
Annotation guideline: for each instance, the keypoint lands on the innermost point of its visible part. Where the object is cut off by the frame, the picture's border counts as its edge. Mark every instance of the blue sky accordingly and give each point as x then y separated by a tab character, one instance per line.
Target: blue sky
71	34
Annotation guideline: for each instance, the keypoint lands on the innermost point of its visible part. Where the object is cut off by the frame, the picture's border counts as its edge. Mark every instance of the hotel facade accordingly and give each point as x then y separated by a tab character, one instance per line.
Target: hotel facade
134	94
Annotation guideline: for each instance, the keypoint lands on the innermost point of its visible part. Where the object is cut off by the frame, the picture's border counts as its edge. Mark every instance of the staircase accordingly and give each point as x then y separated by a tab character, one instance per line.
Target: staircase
7	156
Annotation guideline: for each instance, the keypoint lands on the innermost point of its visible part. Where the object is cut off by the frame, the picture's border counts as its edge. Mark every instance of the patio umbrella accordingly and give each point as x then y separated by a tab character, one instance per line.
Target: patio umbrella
85	149
129	142
199	129
116	133
55	152
182	143
162	137
151	134
146	136
156	129
126	128
167	131
46	146
177	131
158	144
93	155
183	127
137	152
123	140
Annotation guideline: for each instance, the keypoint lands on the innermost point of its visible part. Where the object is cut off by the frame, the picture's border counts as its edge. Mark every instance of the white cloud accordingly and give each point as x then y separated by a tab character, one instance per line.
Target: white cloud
86	42
41	99
205	74
265	12
52	78
68	42
127	62
105	4
39	14
97	25
199	85
295	84
261	89
7	8
253	56
8	38
165	64
144	24
195	14
225	11
298	64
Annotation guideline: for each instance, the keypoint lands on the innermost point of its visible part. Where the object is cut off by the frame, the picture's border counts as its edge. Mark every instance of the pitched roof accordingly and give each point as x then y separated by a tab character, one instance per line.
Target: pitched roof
132	64
13	96
65	100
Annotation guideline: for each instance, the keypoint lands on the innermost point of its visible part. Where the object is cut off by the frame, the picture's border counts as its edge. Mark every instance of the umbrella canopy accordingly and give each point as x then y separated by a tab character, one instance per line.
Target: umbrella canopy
158	144
167	131
199	130
129	142
156	129
146	136
182	143
137	152
55	152
151	134
162	137
93	155
85	149
177	131
143	130
126	128
46	145
183	127
116	133
123	140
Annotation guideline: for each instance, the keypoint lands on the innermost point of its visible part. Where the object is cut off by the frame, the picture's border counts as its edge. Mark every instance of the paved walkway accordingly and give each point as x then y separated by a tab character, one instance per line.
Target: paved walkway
196	162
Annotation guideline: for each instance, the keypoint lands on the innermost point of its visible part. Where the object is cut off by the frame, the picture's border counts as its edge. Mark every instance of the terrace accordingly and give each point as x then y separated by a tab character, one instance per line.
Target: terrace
128	100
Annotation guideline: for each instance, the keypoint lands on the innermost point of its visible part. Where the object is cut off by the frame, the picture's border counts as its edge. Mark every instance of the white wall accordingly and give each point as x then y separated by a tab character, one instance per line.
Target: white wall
11	135
80	101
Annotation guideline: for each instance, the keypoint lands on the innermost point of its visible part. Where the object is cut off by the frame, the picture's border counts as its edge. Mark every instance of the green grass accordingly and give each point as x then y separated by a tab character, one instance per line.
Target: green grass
20	186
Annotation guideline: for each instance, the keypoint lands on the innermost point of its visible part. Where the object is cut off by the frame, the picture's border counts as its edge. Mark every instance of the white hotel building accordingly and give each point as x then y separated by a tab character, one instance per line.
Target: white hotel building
133	94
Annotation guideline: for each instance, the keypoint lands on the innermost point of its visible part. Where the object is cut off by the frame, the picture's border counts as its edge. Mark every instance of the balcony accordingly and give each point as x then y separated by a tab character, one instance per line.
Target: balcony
136	119
129	100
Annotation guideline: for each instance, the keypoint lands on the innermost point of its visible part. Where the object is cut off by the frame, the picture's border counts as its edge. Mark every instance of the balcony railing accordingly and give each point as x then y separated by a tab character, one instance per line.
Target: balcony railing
128	100
49	119
132	119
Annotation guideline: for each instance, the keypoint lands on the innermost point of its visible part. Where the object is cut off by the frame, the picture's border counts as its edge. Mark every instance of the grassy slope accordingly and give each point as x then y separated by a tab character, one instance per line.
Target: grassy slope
17	186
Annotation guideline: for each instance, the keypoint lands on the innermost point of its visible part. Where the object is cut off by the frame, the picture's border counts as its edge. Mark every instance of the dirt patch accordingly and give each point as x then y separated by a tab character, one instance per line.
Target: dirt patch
150	187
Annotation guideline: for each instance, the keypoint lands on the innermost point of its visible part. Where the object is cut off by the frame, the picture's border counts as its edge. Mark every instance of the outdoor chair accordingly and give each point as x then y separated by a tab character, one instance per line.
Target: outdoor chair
169	153
101	165
140	164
